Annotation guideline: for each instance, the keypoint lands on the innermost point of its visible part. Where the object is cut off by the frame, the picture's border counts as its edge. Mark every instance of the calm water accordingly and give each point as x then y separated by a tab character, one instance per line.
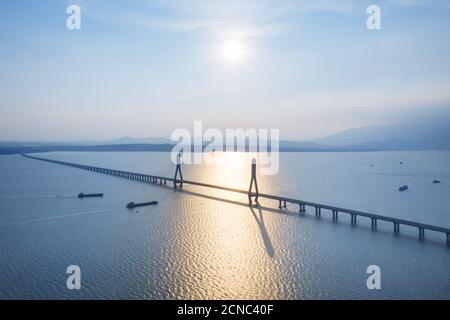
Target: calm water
203	243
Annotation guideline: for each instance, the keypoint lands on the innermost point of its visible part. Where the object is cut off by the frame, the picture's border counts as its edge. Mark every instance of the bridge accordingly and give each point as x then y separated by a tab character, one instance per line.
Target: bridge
177	182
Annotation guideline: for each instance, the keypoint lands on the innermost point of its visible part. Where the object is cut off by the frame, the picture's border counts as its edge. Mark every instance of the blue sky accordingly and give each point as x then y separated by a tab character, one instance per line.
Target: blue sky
144	68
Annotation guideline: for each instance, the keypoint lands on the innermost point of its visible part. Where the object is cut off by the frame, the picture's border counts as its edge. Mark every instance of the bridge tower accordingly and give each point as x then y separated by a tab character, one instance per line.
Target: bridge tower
178	170
253	180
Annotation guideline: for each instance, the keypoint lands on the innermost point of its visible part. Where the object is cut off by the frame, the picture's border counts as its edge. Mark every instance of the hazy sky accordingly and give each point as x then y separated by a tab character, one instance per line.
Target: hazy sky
144	68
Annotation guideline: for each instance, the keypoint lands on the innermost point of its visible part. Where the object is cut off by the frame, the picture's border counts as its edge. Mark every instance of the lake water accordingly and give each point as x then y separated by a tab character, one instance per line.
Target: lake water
208	244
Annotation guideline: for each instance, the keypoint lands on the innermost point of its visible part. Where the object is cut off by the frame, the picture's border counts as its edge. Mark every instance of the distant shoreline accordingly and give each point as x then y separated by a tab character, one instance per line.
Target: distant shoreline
10	150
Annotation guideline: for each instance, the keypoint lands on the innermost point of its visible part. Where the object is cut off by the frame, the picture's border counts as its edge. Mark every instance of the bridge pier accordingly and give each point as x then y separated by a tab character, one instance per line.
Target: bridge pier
302	208
335	215
396	227
318	211
374	223
353	218
422	233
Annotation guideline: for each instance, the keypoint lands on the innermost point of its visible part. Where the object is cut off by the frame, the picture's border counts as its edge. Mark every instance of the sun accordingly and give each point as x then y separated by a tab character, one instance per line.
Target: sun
233	51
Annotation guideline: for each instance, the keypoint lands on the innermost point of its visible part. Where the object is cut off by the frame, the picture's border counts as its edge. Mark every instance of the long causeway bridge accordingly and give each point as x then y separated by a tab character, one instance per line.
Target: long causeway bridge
178	182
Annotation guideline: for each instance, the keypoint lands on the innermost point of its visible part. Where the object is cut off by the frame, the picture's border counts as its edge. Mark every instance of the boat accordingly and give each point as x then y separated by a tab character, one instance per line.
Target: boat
132	205
89	195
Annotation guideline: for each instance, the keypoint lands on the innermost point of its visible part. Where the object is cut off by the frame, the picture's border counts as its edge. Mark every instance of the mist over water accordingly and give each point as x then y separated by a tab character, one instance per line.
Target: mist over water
208	244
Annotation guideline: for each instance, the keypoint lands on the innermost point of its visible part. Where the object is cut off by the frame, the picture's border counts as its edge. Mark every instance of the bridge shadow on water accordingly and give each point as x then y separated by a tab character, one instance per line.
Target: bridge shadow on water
257	213
265	236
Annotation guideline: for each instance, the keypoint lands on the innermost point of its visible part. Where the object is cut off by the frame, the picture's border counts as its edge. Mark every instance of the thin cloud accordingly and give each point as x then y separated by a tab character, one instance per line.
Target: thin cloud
258	18
266	17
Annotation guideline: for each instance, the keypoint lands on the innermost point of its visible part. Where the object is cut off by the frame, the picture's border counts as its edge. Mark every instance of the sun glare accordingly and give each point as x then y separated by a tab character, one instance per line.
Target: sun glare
233	51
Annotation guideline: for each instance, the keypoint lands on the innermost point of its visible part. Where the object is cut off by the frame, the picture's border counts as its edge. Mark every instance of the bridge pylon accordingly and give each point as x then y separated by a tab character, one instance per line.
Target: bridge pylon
178	171
252	194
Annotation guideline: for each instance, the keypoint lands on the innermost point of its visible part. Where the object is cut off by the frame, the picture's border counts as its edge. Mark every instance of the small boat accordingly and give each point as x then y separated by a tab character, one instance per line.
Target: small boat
132	205
436	181
403	188
89	195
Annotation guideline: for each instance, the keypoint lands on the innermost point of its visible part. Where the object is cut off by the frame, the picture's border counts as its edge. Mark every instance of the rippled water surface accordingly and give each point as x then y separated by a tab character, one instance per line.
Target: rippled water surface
203	243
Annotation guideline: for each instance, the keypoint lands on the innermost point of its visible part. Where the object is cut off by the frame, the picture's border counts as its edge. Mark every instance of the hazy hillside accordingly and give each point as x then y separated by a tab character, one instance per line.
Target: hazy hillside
427	133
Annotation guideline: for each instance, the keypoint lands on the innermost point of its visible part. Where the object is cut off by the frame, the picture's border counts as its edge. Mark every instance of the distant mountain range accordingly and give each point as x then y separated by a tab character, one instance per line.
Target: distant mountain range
422	134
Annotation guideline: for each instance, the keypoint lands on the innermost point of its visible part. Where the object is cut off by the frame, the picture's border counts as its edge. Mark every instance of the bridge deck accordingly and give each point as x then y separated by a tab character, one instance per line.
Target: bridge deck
282	200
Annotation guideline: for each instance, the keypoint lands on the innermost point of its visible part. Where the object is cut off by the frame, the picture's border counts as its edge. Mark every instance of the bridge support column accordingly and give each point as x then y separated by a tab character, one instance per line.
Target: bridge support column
178	171
250	189
335	214
302	208
396	227
374	223
353	218
448	239
318	211
421	233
